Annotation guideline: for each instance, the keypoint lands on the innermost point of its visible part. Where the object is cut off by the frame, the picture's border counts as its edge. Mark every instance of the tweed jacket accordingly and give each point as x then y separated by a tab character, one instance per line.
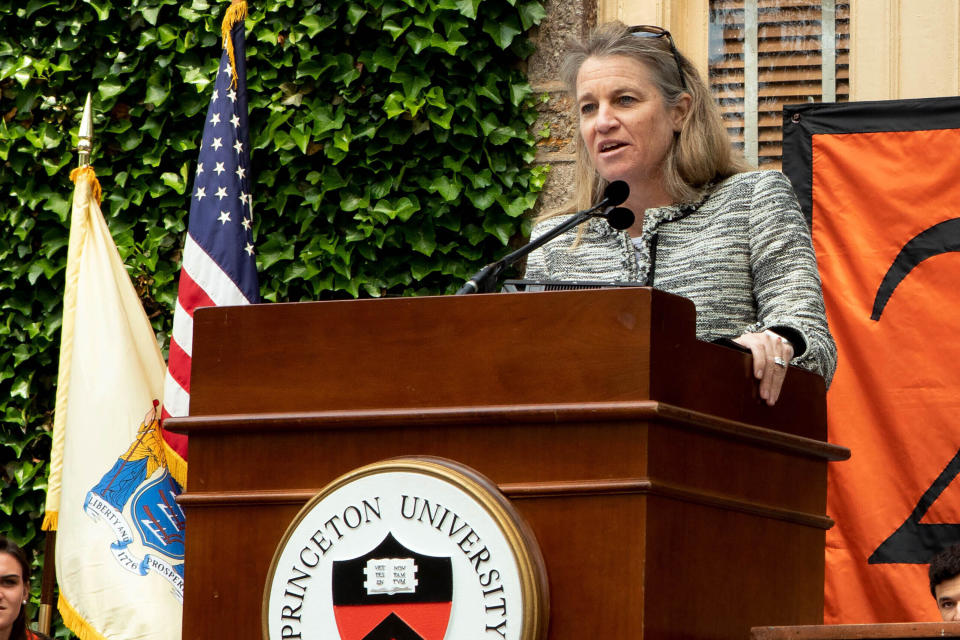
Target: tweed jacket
743	255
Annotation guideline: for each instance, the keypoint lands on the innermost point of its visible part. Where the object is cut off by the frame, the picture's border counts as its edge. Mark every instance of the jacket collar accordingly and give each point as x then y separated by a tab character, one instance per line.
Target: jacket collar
655	216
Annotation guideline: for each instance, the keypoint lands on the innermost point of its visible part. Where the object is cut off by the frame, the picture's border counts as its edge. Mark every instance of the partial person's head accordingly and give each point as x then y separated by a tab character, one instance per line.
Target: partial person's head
680	133
945	582
14	590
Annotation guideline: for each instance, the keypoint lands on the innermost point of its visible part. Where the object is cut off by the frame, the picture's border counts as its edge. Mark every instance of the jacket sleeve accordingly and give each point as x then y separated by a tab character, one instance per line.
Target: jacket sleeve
785	278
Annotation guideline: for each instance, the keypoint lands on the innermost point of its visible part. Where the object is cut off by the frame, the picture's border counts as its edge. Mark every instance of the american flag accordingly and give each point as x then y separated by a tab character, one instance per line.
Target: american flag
219	266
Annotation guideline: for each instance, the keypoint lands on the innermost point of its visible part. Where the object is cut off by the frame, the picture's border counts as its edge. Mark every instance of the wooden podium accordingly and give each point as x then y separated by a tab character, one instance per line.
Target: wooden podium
667	499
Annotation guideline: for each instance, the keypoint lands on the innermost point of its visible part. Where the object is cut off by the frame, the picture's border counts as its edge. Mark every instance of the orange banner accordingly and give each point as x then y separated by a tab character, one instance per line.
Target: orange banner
885	210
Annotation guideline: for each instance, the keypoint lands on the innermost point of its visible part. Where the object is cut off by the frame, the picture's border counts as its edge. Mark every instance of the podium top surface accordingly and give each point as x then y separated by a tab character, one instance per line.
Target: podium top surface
597	346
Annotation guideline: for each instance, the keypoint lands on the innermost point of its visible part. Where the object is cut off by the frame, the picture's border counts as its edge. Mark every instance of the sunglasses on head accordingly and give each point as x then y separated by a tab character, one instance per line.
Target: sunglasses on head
652	31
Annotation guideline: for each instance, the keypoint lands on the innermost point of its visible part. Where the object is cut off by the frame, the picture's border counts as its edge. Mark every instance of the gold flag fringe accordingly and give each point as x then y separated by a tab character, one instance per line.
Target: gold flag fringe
236	13
50	521
87	173
176	465
75	622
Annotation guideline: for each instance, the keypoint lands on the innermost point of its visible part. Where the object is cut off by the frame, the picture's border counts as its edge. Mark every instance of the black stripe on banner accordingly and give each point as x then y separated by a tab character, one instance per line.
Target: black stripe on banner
802	122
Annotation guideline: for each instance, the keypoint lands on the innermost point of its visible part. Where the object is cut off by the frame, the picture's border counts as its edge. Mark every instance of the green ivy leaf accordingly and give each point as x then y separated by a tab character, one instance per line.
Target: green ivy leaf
502	31
174	181
519	92
150	14
102	7
300	137
490	90
272	251
158	89
422	239
352	202
109	88
418	39
315	23
483	200
355	13
443	118
400	209
468	7
390	9
502	229
412	84
451	44
448	188
516	207
531	13
396	29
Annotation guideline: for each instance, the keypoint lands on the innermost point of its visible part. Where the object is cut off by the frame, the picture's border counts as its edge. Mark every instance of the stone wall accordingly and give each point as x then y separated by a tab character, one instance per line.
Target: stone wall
565	18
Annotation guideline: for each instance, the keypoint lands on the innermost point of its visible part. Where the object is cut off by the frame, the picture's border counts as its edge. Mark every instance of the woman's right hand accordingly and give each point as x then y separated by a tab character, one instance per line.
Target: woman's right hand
771	355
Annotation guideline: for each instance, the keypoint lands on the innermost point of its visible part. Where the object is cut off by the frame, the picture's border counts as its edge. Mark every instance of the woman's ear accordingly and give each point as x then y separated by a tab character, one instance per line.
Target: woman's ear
680	111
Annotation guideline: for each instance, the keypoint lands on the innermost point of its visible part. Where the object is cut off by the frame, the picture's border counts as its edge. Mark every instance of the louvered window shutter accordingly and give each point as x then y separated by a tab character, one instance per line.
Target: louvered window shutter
768	53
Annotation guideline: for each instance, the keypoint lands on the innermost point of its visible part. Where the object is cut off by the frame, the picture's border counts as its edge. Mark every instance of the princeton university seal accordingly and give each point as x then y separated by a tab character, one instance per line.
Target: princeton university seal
407	549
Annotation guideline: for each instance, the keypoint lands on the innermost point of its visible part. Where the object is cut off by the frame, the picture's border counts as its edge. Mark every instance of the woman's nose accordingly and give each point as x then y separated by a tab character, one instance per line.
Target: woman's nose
606	118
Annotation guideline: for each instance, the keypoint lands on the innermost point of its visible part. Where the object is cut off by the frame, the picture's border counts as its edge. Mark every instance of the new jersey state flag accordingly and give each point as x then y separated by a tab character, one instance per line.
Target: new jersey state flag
881	184
111	498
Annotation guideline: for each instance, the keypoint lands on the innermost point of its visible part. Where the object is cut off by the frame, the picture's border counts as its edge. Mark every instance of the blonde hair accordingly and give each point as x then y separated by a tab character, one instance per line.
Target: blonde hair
701	153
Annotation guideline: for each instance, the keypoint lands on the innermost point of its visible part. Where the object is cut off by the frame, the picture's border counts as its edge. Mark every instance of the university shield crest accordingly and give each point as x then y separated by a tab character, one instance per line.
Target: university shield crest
392	593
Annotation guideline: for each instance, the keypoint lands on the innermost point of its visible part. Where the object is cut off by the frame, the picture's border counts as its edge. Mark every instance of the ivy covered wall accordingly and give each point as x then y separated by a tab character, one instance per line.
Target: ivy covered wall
391	156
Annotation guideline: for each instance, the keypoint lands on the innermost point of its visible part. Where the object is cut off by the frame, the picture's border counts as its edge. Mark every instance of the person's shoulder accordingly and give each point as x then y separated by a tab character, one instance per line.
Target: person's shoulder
756	176
546	224
753	185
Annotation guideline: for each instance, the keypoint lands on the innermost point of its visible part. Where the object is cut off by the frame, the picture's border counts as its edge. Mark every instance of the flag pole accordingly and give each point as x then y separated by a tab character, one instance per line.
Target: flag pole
47	583
85	137
48	580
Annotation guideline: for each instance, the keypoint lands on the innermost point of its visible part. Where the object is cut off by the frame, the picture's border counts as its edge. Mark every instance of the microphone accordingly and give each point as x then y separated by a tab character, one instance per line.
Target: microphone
615	193
619	218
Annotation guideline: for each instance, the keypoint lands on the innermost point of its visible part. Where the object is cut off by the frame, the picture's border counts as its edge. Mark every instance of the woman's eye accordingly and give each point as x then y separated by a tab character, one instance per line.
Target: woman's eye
587	108
626	100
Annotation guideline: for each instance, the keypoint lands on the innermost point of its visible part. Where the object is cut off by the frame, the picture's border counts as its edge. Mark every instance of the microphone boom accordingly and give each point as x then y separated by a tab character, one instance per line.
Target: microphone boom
615	193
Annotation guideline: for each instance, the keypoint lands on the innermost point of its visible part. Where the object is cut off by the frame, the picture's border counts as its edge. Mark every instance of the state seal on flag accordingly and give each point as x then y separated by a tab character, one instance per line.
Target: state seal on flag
136	498
407	549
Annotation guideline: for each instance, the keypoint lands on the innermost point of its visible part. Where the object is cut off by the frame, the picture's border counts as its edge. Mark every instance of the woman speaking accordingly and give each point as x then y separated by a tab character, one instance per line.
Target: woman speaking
731	240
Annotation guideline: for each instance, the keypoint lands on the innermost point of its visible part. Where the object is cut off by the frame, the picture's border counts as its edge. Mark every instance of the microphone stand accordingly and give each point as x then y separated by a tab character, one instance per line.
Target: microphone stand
483	280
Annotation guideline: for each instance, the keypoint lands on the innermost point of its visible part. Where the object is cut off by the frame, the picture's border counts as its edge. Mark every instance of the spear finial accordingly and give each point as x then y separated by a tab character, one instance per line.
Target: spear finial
85	142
